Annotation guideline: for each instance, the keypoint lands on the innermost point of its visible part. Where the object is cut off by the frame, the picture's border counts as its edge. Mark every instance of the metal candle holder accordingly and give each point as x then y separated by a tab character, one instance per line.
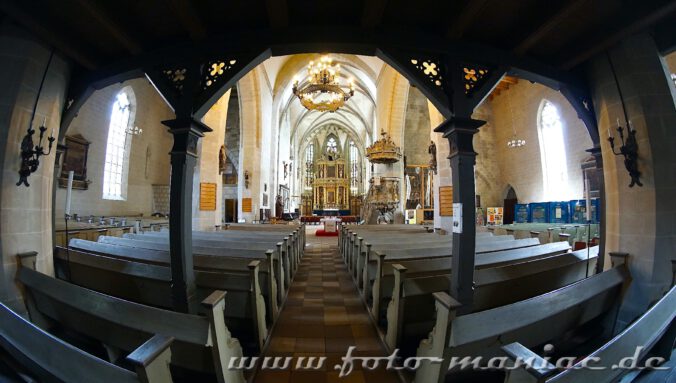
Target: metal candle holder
629	150
30	155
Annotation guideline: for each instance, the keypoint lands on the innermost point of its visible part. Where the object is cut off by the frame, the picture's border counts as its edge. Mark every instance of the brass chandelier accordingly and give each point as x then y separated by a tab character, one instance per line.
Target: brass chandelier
323	91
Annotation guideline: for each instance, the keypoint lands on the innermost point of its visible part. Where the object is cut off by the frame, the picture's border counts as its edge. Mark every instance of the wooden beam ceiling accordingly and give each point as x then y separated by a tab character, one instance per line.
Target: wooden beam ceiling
278	13
373	13
189	19
459	25
604	42
49	36
503	85
112	27
547	27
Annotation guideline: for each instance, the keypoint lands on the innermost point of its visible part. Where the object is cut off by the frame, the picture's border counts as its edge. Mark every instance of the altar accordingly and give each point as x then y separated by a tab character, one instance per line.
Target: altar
330	224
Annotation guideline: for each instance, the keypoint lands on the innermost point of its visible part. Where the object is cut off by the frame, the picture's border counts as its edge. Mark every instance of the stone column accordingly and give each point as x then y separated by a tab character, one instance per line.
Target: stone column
186	132
639	220
596	153
460	133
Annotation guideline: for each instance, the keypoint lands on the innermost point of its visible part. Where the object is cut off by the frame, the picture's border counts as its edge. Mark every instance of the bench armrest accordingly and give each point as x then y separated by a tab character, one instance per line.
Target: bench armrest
532	363
27	259
214	299
151	360
446	301
618	259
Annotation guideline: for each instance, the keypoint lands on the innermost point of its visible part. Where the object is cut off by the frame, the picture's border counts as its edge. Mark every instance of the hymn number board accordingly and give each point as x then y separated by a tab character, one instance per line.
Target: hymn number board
446	201
207	196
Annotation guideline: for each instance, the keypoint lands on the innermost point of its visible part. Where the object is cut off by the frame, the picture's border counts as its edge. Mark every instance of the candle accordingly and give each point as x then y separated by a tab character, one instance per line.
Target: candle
609	135
69	191
587	208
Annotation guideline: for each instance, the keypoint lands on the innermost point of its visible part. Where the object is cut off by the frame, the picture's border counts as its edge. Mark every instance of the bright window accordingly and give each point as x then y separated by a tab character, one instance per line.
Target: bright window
553	152
331	145
117	150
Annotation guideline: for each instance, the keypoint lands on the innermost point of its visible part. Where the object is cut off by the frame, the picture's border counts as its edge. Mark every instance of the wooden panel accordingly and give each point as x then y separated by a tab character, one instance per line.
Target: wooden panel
247	205
207	196
446	201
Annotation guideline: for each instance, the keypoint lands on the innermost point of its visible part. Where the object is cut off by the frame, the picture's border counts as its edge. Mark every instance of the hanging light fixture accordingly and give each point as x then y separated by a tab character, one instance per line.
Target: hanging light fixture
323	91
514	142
135	131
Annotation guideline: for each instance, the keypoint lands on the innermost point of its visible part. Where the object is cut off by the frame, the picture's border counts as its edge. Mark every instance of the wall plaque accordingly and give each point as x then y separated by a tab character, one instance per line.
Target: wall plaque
247	204
207	196
445	201
75	159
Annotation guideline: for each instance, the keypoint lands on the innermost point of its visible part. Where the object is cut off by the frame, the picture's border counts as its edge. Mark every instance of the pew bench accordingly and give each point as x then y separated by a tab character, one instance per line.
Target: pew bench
411	308
207	263
201	343
150	285
654	330
47	358
546	318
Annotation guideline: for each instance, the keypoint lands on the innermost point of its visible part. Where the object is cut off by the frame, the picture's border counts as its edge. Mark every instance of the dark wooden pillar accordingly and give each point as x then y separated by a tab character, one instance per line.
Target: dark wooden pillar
460	133
596	153
186	132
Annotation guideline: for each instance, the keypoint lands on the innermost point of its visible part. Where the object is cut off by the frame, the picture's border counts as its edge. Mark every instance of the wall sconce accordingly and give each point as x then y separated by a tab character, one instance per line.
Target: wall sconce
30	156
629	148
246	179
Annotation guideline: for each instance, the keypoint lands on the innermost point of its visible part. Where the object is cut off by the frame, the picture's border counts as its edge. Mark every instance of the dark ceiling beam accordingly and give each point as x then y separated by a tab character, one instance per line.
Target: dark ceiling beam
278	13
115	30
604	43
373	13
189	19
458	27
48	36
547	27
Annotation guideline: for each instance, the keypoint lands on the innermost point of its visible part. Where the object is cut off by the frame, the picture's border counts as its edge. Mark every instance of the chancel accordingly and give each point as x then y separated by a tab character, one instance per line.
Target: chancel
357	191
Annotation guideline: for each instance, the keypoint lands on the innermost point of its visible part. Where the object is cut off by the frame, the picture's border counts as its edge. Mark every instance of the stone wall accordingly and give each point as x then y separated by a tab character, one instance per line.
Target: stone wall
149	153
26	212
207	169
639	220
416	129
521	167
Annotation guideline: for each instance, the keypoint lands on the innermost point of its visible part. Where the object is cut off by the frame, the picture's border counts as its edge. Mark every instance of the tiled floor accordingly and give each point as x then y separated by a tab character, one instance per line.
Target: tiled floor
323	316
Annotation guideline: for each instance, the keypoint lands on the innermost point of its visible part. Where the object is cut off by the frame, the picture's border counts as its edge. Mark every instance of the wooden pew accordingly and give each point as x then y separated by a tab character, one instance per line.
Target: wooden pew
286	249
49	359
206	262
375	260
542	319
654	330
201	343
358	255
150	284
411	309
204	251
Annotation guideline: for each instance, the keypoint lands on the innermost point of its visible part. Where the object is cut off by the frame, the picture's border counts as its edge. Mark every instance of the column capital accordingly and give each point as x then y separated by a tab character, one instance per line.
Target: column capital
186	131
181	125
460	133
596	153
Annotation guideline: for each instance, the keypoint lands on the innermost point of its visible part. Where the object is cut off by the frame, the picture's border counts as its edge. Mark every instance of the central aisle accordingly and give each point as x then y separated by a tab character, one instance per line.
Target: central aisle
323	316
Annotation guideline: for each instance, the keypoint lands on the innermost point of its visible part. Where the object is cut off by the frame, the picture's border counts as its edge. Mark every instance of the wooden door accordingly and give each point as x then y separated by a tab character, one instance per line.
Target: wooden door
508	212
230	210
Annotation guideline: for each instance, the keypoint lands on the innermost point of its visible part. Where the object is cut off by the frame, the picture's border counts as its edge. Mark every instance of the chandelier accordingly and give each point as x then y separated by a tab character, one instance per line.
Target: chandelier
323	91
383	151
515	142
135	131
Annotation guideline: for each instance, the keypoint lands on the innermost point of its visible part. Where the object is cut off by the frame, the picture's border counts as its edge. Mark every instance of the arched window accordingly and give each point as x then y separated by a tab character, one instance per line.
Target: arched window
553	152
116	167
331	145
354	166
